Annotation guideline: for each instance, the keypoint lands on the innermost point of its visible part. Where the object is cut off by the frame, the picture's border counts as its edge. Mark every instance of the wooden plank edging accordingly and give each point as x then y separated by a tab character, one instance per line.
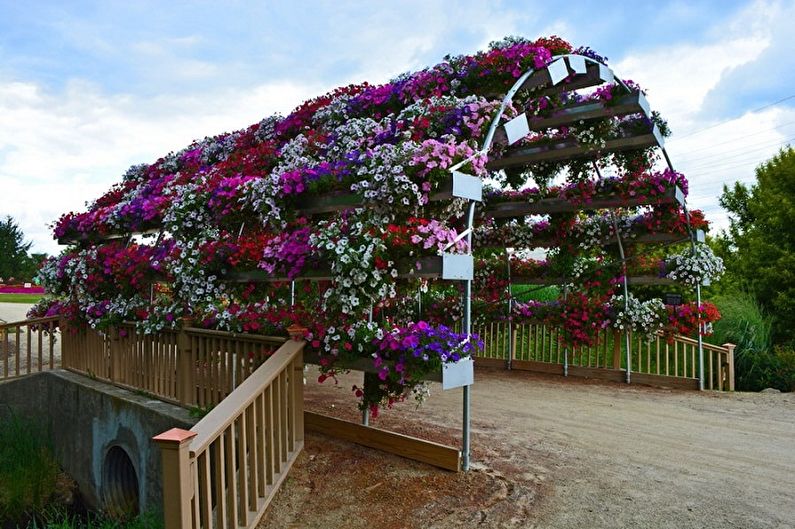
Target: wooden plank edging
406	446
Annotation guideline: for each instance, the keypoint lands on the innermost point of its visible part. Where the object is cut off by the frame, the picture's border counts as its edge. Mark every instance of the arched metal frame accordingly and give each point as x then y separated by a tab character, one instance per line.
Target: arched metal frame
558	70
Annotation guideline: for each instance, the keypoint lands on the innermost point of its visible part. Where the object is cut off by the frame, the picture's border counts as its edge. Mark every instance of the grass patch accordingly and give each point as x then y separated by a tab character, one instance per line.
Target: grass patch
758	363
59	520
525	293
28	470
20	298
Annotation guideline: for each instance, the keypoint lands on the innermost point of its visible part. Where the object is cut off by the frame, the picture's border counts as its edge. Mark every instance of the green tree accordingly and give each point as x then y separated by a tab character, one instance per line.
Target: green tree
14	259
759	248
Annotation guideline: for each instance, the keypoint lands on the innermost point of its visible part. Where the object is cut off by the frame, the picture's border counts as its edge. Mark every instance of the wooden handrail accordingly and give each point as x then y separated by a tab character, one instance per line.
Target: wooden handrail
33	321
236	335
537	347
224	414
225	471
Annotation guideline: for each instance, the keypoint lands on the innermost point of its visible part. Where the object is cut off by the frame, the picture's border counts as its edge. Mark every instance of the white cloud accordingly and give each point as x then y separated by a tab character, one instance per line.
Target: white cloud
681	80
59	150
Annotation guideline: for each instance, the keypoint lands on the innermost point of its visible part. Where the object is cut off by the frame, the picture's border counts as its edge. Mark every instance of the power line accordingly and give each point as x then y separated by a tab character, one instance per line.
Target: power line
739	138
721	159
733	119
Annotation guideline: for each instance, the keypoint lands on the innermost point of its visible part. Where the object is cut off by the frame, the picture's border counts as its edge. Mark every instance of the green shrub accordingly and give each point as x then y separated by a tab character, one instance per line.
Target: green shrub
525	293
58	519
28	470
743	323
757	363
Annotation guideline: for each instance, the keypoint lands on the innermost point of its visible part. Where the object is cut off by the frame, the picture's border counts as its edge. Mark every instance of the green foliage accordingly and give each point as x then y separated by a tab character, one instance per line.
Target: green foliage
28	470
757	364
759	248
525	293
59	520
20	298
198	412
743	323
14	259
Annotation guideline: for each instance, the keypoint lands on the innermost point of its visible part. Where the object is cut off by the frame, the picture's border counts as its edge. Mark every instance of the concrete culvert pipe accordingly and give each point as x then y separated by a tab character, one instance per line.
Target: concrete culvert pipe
120	492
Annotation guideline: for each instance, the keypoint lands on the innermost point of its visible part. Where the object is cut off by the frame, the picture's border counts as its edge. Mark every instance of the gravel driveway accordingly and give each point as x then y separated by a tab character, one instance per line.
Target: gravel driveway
557	453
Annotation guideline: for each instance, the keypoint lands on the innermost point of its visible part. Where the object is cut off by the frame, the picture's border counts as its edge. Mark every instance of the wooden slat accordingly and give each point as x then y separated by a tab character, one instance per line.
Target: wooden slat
406	446
231	478
219	483
242	471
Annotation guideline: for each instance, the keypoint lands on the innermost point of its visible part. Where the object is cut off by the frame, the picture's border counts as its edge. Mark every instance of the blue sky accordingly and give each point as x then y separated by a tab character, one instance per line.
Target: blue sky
89	88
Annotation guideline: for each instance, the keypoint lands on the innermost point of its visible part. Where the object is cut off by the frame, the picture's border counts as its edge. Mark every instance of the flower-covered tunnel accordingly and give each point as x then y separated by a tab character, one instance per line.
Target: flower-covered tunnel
378	217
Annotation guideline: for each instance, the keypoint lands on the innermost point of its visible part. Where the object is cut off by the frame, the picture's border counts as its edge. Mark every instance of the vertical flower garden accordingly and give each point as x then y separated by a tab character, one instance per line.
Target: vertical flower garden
335	216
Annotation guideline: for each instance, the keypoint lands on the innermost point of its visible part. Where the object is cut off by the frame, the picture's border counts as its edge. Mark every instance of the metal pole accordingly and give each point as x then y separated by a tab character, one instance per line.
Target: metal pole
366	382
565	349
700	341
698	287
465	427
511	351
626	295
292	293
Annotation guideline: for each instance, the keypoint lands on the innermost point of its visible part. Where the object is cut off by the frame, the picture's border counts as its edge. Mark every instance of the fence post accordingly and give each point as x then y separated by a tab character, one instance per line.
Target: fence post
186	367
297	333
177	479
66	344
616	350
730	360
512	351
114	350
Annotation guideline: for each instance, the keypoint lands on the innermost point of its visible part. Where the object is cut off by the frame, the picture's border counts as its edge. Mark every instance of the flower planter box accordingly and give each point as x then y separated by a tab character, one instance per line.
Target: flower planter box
95	237
461	185
649	280
550	79
569	149
451	375
634	103
519	127
632	280
652	238
447	266
559	205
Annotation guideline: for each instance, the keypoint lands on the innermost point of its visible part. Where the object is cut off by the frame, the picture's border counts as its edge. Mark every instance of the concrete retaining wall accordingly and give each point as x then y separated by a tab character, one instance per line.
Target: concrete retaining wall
87	419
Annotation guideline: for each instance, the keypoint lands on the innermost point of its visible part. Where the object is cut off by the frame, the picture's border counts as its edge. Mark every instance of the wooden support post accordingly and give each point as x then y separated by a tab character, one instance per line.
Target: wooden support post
616	350
186	367
177	477
115	352
67	345
730	361
297	384
512	350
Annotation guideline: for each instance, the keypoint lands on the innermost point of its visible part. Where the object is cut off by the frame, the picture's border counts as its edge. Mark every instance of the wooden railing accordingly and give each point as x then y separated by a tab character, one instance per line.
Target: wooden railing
537	347
224	472
192	367
29	346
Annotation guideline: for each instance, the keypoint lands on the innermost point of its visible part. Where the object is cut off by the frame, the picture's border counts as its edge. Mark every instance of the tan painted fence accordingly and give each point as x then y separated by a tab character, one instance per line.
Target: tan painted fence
675	363
224	472
29	346
191	367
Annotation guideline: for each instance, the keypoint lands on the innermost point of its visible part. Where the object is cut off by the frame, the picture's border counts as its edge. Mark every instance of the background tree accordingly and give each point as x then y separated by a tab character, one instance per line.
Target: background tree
14	259
759	248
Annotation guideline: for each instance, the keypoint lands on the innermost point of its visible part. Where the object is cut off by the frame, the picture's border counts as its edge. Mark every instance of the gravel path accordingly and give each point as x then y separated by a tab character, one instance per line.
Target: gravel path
558	453
14	311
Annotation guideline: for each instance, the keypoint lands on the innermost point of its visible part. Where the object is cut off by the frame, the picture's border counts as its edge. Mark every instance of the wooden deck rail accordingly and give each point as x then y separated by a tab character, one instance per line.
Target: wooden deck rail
224	472
192	367
29	346
538	348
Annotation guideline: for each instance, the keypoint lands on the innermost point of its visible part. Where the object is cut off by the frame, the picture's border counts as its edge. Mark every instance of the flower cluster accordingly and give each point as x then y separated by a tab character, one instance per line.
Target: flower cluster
644	318
695	266
352	189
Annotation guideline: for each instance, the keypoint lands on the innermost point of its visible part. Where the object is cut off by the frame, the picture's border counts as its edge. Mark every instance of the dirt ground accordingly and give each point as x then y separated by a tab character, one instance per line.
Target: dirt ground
555	453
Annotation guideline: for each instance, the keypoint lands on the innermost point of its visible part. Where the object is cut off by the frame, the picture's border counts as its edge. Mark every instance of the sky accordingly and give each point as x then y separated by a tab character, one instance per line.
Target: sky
89	88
